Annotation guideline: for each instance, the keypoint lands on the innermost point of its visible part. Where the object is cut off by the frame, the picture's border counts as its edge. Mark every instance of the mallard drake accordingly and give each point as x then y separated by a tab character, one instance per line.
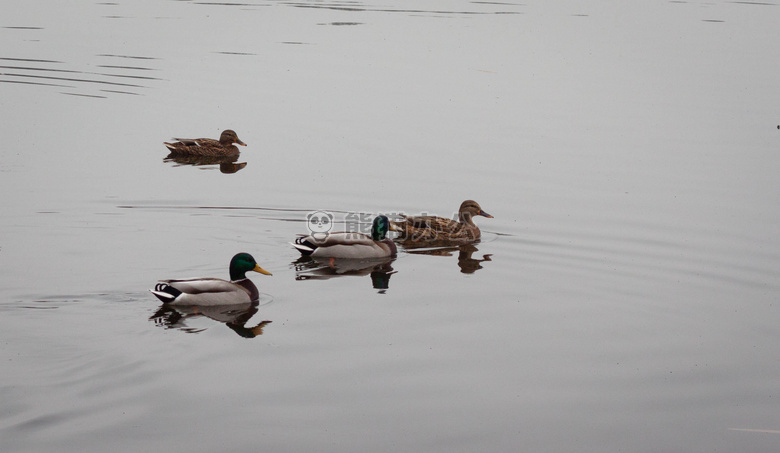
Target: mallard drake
225	146
432	229
350	245
214	291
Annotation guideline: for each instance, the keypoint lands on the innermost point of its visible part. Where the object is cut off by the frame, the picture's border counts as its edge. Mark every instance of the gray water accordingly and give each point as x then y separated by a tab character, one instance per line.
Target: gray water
623	297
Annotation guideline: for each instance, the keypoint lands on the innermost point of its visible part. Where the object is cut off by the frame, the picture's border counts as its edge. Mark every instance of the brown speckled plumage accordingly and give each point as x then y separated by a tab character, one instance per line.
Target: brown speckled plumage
432	230
225	146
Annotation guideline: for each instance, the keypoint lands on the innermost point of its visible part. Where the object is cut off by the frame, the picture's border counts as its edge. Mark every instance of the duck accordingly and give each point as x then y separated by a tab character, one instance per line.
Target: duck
350	244
225	146
433	230
213	291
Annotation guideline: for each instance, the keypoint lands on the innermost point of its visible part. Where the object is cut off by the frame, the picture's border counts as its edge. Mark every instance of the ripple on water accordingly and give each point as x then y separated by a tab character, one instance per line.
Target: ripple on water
119	79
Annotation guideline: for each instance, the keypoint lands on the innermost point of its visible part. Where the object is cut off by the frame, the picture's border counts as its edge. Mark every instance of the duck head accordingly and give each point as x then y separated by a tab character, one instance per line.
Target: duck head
229	137
380	227
243	263
469	209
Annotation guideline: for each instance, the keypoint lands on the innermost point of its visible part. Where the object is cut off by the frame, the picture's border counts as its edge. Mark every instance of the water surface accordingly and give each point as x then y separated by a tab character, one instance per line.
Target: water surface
622	299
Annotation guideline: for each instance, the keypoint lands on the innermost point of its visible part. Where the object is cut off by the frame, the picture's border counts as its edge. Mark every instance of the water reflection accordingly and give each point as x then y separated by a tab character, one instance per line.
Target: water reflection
227	164
466	261
379	270
234	316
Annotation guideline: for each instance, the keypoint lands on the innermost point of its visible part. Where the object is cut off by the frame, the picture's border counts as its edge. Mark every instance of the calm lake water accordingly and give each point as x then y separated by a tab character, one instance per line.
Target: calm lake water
624	297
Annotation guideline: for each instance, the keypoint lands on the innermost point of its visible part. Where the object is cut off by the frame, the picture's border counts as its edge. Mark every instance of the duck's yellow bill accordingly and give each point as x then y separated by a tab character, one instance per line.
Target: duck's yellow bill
261	270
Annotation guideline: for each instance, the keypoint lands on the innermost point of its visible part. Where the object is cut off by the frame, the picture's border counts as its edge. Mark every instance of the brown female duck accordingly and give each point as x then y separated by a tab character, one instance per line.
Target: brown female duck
432	230
225	146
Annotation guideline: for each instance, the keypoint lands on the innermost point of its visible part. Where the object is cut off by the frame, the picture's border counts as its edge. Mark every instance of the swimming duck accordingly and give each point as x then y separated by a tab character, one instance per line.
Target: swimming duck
348	244
433	230
214	291
206	146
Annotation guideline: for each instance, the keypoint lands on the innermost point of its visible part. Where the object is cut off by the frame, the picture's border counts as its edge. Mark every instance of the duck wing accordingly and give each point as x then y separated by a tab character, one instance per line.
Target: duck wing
196	147
429	230
344	245
204	292
435	223
202	285
197	141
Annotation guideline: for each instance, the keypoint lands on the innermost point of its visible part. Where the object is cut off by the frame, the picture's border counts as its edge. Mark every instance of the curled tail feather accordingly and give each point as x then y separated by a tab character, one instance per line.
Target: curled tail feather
304	246
165	292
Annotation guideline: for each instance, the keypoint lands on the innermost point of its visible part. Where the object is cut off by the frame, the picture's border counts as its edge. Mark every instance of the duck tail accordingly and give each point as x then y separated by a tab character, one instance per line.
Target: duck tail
165	292
302	245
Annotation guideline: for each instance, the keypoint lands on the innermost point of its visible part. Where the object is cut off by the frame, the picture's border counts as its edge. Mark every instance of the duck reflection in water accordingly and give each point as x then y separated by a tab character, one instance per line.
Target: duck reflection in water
315	268
467	263
227	164
234	316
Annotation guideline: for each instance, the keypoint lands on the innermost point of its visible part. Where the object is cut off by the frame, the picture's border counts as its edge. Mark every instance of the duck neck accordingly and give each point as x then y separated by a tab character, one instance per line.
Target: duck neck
465	218
236	275
254	293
